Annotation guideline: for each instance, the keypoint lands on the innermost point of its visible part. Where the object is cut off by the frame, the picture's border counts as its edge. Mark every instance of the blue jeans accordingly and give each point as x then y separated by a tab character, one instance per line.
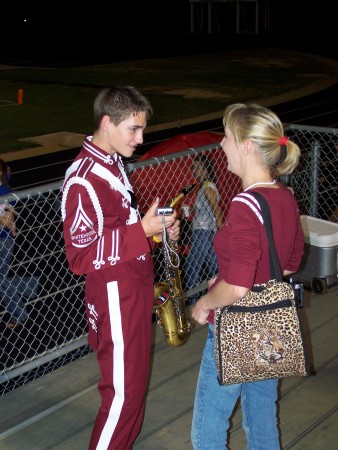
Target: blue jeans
201	252
12	288
214	405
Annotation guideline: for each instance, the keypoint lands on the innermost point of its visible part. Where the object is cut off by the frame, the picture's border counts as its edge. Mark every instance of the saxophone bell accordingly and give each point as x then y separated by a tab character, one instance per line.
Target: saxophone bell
170	314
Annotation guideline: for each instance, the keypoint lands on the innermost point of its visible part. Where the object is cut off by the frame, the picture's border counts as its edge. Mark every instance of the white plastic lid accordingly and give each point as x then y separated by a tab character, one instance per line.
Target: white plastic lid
319	232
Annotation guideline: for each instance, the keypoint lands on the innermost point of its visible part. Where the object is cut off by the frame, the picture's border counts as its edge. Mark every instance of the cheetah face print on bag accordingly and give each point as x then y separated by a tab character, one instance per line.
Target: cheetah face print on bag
268	345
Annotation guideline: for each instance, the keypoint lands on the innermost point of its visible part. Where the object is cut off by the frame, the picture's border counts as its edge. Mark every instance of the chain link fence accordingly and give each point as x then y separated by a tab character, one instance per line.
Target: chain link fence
316	178
55	332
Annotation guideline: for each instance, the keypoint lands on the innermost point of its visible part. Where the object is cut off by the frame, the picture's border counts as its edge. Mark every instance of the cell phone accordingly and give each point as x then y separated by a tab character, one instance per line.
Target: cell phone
164	211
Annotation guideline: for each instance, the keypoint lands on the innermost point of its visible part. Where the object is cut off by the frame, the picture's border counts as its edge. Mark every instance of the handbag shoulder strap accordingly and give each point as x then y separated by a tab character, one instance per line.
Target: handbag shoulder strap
275	270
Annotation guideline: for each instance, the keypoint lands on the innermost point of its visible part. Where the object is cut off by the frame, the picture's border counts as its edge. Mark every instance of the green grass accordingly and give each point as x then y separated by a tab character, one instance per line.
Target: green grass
61	99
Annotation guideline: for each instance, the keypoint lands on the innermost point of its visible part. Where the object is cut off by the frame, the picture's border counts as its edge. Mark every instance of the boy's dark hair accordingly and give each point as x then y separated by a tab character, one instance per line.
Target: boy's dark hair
118	102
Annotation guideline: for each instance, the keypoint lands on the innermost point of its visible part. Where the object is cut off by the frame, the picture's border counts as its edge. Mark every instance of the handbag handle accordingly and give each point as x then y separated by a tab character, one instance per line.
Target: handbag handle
275	270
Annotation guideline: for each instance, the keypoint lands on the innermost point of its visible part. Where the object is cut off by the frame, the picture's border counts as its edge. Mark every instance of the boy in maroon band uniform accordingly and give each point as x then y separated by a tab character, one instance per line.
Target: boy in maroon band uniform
107	240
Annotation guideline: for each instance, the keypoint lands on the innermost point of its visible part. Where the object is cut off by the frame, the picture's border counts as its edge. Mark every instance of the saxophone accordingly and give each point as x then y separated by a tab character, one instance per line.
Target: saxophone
169	301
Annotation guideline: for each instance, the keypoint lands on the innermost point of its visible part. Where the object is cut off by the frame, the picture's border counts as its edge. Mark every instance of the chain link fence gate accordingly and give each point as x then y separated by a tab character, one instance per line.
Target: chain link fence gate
56	330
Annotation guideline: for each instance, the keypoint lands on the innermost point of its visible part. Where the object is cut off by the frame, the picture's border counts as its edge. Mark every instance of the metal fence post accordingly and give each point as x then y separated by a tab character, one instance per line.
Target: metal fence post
314	178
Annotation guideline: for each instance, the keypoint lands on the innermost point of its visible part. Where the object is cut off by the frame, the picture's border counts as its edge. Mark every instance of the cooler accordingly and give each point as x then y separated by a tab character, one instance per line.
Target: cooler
318	268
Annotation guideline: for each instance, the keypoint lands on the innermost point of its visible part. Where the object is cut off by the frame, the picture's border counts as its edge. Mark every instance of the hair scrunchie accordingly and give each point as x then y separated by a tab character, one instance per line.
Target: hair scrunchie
283	140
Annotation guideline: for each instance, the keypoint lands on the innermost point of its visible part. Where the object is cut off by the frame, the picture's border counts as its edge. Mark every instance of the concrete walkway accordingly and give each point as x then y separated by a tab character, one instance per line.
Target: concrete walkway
57	411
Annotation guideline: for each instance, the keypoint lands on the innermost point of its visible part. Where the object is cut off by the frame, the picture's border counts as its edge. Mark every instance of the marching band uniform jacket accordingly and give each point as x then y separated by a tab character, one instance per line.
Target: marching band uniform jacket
105	240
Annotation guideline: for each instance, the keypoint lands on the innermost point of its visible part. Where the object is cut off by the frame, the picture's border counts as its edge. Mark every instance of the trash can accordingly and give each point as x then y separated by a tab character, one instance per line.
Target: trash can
318	269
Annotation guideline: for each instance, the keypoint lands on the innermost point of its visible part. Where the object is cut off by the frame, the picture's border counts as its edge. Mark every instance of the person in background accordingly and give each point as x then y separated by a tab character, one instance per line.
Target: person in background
107	240
258	152
208	218
12	288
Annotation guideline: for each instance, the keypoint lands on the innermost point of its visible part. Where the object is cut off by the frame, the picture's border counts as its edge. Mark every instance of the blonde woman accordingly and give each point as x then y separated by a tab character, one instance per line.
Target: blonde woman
258	152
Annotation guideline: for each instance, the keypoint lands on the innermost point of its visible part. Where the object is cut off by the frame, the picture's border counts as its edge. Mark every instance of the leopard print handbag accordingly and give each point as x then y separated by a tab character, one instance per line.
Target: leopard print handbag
259	337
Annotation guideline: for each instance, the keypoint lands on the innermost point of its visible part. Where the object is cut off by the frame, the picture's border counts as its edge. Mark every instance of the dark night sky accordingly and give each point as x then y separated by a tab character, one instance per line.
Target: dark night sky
110	31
